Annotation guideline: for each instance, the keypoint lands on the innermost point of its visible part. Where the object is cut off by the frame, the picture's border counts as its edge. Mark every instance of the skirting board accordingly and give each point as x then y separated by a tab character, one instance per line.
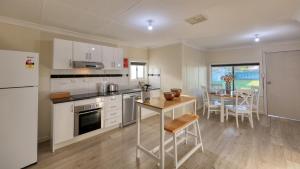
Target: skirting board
43	139
82	137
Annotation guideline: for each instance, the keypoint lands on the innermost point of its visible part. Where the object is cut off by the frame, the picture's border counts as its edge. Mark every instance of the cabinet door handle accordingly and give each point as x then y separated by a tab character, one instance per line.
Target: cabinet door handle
87	56
72	108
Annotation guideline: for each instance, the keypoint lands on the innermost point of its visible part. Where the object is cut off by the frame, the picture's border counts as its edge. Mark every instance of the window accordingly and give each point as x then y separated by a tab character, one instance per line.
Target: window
245	75
137	70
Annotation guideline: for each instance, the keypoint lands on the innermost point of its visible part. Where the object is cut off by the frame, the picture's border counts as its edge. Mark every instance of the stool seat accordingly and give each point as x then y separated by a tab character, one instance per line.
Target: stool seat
180	123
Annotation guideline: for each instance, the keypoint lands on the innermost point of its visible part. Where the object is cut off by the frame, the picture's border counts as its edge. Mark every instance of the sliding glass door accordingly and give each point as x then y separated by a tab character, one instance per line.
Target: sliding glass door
245	75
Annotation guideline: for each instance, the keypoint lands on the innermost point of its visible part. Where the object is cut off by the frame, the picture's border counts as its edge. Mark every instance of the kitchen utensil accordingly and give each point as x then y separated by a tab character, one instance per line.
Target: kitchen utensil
102	87
60	95
169	95
176	92
111	87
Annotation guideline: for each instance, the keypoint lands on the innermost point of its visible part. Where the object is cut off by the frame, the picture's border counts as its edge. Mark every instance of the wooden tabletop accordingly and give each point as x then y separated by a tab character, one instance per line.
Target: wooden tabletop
162	103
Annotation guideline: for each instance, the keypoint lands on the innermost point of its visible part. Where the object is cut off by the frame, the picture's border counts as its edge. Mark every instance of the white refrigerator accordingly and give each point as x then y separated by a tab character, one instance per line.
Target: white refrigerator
18	108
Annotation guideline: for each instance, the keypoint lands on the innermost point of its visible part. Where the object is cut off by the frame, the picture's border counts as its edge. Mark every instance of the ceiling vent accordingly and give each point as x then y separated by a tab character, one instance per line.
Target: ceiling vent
196	19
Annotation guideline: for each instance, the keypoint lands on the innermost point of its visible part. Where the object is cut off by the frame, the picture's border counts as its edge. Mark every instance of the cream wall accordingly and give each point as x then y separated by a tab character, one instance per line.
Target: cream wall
168	60
14	37
182	67
194	71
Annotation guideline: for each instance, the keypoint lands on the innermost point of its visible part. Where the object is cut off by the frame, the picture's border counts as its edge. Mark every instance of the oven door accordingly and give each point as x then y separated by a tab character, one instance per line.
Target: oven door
87	121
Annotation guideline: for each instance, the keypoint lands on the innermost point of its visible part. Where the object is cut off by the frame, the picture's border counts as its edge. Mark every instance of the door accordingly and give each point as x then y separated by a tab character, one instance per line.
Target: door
18	69
283	79
63	122
18	127
62	54
108	57
118	58
81	51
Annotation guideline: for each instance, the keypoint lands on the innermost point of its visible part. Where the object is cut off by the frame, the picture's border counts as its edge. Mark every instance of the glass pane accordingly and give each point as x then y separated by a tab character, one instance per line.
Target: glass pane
246	76
140	72
216	77
133	72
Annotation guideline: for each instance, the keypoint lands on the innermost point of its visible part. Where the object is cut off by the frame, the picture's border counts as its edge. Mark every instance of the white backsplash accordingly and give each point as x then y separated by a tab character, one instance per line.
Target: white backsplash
86	84
90	84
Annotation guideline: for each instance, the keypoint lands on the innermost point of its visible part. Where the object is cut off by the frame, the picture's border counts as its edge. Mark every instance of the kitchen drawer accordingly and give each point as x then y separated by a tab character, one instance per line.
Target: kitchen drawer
112	114
112	122
117	98
113	106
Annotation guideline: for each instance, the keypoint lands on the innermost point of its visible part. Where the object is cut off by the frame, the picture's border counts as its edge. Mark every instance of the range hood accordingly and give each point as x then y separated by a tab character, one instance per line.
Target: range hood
84	64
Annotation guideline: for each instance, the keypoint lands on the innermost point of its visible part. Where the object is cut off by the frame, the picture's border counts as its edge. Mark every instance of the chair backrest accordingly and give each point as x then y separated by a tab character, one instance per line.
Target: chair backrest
244	98
216	87
256	94
205	94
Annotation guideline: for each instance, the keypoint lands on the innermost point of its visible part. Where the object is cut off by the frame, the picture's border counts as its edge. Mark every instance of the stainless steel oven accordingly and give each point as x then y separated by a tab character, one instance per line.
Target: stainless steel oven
87	118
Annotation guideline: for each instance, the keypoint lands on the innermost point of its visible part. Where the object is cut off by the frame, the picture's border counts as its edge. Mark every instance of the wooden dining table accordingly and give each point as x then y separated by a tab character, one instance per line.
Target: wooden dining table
223	97
161	106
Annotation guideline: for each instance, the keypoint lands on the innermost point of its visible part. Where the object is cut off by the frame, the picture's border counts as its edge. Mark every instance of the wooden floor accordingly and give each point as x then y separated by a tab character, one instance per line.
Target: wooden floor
272	144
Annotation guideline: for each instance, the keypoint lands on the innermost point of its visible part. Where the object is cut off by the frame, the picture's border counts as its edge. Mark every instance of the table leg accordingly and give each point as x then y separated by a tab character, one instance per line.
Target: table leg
195	111
138	114
162	138
222	110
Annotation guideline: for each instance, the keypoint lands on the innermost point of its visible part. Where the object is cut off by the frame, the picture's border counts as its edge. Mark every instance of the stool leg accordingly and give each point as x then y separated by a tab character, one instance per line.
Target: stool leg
186	135
199	134
195	132
175	151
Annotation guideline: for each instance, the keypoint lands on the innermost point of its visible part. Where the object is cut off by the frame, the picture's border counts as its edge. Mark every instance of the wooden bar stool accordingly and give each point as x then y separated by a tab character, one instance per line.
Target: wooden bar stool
179	125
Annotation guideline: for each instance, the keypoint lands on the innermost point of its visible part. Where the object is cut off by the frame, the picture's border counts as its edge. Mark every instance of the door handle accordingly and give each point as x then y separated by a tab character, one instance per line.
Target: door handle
269	82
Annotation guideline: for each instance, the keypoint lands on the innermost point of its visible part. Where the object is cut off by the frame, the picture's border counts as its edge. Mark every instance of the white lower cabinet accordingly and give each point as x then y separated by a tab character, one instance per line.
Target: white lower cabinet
63	122
112	111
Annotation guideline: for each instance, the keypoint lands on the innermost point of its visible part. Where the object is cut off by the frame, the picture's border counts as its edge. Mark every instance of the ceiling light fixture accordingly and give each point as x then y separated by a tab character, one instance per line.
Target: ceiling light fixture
256	39
150	26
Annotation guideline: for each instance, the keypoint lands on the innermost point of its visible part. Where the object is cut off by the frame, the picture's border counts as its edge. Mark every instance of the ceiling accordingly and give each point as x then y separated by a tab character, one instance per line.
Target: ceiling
230	22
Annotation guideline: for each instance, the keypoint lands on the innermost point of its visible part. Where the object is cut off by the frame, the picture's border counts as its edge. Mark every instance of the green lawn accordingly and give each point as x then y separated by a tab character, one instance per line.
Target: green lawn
241	84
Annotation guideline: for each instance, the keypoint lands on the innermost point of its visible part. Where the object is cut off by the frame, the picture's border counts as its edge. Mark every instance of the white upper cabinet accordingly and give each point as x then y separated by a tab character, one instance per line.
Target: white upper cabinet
86	52
108	57
112	57
62	54
96	53
65	52
118	57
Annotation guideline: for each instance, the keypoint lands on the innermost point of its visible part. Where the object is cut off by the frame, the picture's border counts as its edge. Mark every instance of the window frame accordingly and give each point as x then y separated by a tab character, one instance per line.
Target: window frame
135	63
233	72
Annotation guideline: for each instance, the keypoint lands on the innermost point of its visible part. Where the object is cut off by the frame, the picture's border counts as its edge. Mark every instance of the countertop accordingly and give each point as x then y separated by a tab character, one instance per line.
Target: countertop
162	103
93	95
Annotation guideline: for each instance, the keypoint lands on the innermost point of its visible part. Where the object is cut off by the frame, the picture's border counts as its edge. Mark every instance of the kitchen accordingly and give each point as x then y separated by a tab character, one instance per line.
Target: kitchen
96	104
86	85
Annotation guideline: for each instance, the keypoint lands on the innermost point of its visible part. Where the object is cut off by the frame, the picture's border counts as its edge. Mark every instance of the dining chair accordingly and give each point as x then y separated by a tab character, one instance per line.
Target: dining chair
212	105
243	106
216	87
256	94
